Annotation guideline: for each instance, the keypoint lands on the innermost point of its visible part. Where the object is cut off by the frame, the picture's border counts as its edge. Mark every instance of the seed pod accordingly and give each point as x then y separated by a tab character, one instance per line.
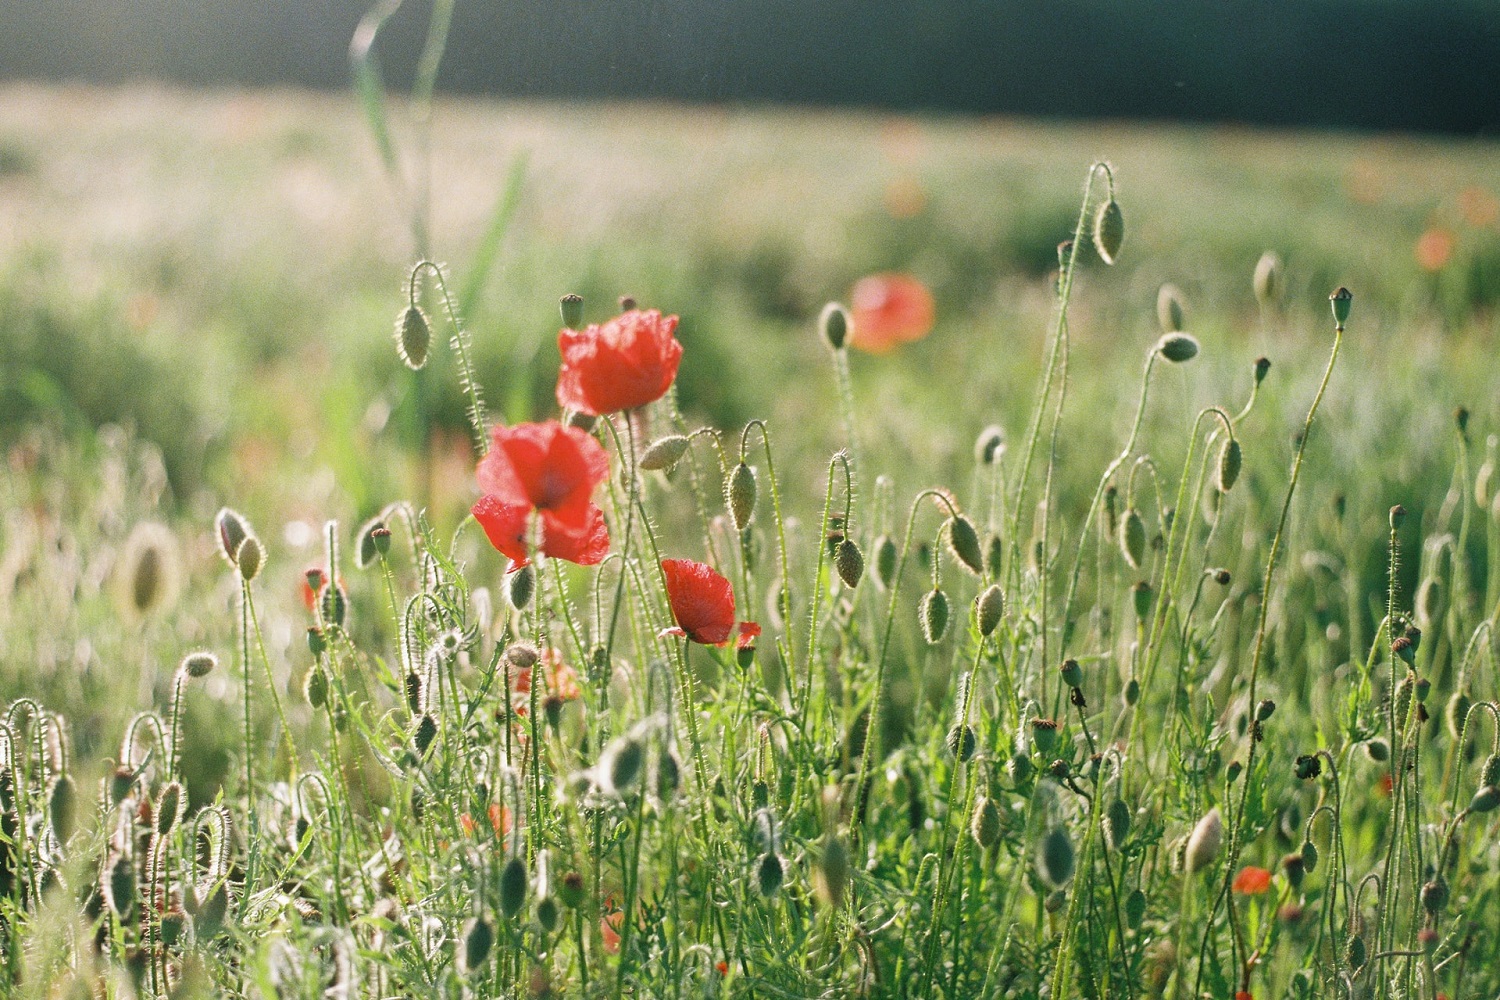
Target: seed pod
1056	860
1117	824
1485	800
1140	598
770	872
1434	896
1133	538
1267	281
885	561
933	616
1203	844
1378	750
333	603
668	776
960	742
1178	347
833	325
413	337
120	886
990	609
1109	231
233	530
570	890
994	549
169	808
985	826
425	733
1045	734
571	307
1489	774
849	561
1295	870
1341	300
249	558
989	445
1072	673
624	759
1169	308
316	687
1309	854
1135	908
62	807
963	540
831	875
522	584
512	887
478	938
1354	951
739	495
664	453
1457	713
1230	460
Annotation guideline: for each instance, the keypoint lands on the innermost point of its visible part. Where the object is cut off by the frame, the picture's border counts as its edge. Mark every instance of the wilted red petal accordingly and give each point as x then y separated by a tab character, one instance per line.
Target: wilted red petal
888	310
1252	881
702	600
748	632
627	362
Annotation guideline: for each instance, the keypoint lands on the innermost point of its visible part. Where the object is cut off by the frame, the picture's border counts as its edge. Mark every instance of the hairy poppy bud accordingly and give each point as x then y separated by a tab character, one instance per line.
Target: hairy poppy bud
120	886
1355	952
1230	459
960	742
317	642
413	337
623	762
933	616
985	826
199	664
571	307
1262	366
664	453
770	872
1292	866
1117	824
512	887
1434	896
477	941
1178	347
368	547
1203	843
963	540
522	584
833	325
1056	860
885	561
1132	692
1133	538
548	913
1135	908
1429	601
315	688
425	733
169	808
334	604
1309	855
1457	713
739	495
1489	774
668	776
1140	596
1341	300
1222	577
990	609
1109	231
849	561
1267	281
1308	766
233	530
249	558
1019	768
831	875
62	807
1169	309
1485	800
989	445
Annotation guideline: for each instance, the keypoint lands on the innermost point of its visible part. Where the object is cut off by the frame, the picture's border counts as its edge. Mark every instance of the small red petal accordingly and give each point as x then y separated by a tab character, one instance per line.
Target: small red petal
1252	881
748	632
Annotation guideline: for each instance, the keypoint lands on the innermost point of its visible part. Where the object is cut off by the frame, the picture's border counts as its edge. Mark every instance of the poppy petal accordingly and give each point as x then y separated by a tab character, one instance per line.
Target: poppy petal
627	362
504	524
702	600
584	541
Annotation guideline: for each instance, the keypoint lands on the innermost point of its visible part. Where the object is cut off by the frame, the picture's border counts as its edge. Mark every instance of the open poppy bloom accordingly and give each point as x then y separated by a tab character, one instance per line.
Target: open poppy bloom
627	362
1252	881
703	604
888	310
552	470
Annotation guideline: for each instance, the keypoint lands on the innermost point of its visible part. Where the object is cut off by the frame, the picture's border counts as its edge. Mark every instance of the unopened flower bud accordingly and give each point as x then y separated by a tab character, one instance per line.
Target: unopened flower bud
990	609
1109	231
522	584
739	495
664	453
985	826
849	562
1057	859
200	664
933	616
963	541
989	445
1178	347
1203	844
249	558
1169	309
413	337
961	742
1230	460
833	325
1133	538
1267	281
477	941
512	887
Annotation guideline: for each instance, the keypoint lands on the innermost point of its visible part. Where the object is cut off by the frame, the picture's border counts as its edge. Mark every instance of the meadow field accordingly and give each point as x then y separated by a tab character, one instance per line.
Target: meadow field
1113	642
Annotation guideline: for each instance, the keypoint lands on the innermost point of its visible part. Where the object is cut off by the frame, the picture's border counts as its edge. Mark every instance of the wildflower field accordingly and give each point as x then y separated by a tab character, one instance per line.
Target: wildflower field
628	550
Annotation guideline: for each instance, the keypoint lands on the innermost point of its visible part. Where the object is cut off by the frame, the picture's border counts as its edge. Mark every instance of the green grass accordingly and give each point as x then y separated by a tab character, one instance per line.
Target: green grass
215	278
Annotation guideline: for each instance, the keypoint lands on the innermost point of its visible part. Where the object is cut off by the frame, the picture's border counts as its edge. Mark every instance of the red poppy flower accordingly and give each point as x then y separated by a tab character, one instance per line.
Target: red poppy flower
628	362
703	604
888	310
552	470
1252	881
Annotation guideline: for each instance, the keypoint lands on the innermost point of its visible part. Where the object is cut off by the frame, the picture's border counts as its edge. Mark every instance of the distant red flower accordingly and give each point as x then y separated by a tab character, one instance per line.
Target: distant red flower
1252	881
562	680
552	470
888	310
312	585
1243	995
628	362
703	604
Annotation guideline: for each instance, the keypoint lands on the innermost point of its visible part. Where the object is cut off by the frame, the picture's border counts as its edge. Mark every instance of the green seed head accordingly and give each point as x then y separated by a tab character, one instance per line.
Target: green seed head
1267	281
1341	300
1178	347
1169	309
1109	231
849	561
963	540
571	307
1230	460
571	890
739	495
833	325
664	453
413	337
1072	673
933	616
1045	734
1434	896
1056	860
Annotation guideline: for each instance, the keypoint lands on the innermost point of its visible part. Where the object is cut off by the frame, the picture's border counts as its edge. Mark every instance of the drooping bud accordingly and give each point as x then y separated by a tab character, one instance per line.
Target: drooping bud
233	530
832	872
1262	366
668	776
1489	774
368	547
1140	597
1133	538
512	887
413	337
1056	860
1267	281
1135	908
990	609
1169	309
1109	231
961	742
1434	896
1341	300
770	872
120	886
932	615
739	495
169	808
623	761
985	826
1457	713
963	540
521	585
199	664
1293	867
849	561
1485	800
664	453
1178	347
989	445
1117	824
1230	460
1203	844
425	733
249	558
477	941
833	325
885	561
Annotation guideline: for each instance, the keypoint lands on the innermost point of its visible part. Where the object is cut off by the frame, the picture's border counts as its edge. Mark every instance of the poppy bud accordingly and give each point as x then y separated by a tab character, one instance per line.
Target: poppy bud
1461	419
623	762
169	808
1203	843
961	742
547	913
668	776
1140	596
1485	800
316	641
1109	231
316	688
1019	768
512	887
62	807
198	665
885	561
1429	601
334	604
933	616
849	561
1264	710
1489	774
368	548
232	531
1262	366
1133	538
413	337
1178	347
477	941
1457	713
1117	824
522	655
425	733
664	453
173	922
522	584
989	445
985	826
831	875
739	495
1222	577
249	558
1309	854
1132	692
963	540
833	325
1232	772
1056	860
1340	300
1434	896
770	872
1354	952
1230	459
1169	308
120	886
1044	734
1135	908
990	609
1267	281
571	307
120	785
1308	766
1294	869
570	890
